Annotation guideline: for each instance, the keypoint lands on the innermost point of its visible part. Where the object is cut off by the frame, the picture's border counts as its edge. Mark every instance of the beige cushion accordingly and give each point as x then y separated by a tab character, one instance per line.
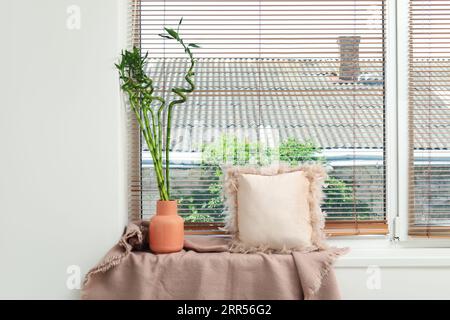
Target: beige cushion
275	208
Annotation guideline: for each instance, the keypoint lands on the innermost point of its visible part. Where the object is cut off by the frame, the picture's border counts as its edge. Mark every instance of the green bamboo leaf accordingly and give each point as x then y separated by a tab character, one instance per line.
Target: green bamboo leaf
164	36
179	24
173	33
193	45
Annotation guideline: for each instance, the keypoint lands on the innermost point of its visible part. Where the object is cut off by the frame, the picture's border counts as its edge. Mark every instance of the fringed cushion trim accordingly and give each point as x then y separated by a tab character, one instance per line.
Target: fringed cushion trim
315	173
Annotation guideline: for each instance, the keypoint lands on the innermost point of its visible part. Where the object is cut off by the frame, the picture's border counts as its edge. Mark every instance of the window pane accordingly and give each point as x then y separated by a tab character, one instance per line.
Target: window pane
290	81
429	116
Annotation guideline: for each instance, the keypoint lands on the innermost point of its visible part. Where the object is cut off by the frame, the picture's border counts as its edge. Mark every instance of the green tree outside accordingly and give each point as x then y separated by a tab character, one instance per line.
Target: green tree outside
230	150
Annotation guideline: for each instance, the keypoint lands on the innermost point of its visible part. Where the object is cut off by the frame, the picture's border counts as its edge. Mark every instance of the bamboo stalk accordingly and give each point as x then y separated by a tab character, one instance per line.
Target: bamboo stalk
139	88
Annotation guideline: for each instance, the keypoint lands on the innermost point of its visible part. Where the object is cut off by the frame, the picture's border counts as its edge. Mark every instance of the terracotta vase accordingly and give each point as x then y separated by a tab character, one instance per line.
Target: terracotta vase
166	228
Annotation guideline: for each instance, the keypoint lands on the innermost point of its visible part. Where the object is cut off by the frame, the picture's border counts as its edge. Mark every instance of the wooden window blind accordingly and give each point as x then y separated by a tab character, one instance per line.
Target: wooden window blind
429	118
290	81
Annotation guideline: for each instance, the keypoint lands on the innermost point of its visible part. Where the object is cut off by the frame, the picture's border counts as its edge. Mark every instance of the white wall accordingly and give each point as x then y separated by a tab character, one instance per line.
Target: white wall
378	269
62	171
62	159
395	283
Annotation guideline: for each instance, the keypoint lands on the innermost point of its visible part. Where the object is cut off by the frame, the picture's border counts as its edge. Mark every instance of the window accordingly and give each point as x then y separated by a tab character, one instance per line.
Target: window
276	80
429	118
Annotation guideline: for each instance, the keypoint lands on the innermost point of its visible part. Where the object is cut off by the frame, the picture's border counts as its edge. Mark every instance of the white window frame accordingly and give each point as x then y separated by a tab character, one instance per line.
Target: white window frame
401	221
397	139
397	135
397	142
391	118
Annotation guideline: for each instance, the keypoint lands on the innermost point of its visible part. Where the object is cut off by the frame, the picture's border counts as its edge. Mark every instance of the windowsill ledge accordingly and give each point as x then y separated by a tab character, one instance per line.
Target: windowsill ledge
383	253
380	251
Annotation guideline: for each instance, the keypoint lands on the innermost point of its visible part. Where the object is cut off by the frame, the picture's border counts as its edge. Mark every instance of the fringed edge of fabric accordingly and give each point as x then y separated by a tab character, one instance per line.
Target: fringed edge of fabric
315	173
131	231
331	256
237	246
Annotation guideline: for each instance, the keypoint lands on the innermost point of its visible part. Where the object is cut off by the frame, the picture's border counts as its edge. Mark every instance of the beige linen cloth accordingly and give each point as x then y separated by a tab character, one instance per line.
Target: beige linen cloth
205	269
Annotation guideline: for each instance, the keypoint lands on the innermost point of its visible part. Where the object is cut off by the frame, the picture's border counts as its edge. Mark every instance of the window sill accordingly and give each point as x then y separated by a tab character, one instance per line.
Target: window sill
379	251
